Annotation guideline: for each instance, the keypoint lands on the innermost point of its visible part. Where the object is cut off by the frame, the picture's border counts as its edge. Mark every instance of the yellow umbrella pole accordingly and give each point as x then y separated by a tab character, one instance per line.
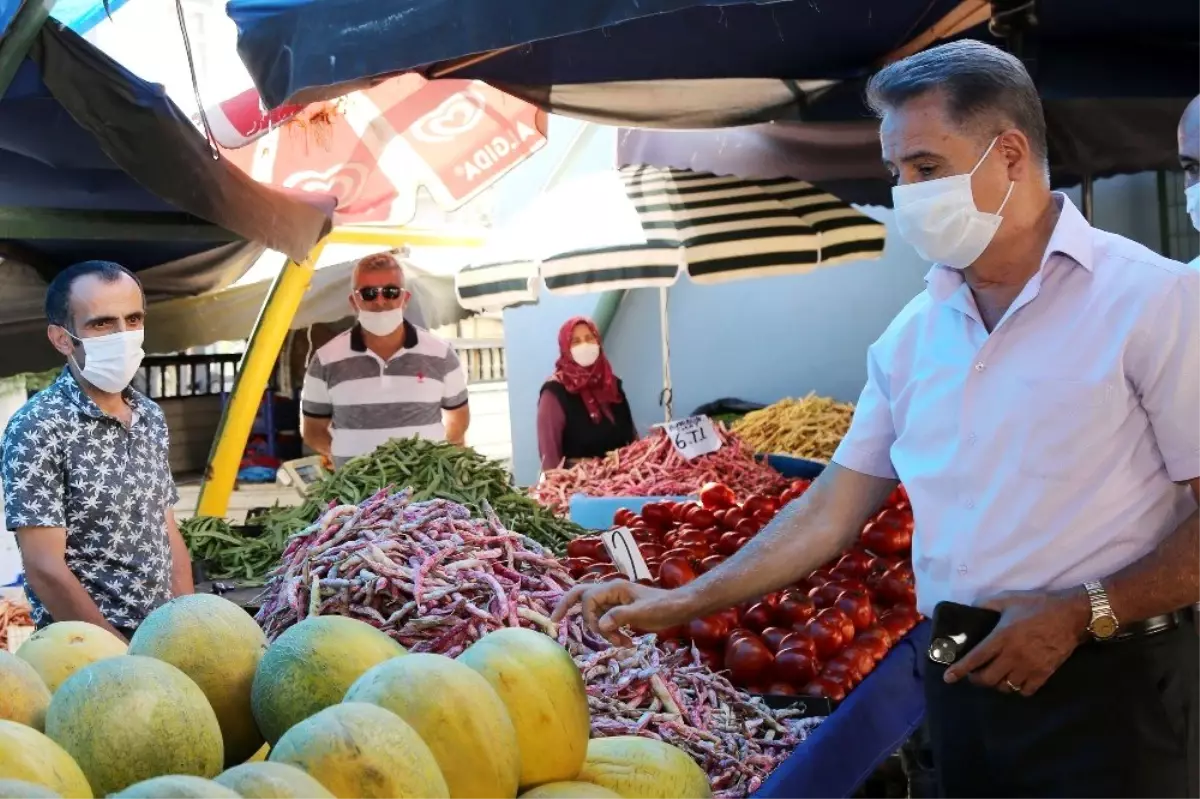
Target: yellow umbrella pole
253	375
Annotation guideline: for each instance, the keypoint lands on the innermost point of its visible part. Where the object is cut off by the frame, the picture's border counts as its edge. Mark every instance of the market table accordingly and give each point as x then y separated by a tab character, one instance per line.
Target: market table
867	727
863	731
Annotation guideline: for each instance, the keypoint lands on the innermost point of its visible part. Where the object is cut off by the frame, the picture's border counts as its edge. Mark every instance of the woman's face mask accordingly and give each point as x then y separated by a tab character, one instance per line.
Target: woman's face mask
940	220
110	362
585	354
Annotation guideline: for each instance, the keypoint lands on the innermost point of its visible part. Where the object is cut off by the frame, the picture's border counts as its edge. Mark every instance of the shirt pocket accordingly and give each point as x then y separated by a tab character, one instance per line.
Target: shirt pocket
1065	426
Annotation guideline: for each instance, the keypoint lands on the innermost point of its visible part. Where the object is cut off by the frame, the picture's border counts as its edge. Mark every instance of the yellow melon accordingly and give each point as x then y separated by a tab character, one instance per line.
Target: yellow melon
311	666
58	651
360	751
23	696
133	718
543	690
569	790
456	712
643	768
272	781
176	786
218	645
29	756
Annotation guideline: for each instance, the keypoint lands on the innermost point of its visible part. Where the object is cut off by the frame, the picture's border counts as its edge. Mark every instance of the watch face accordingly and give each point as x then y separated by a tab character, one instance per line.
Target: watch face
1104	627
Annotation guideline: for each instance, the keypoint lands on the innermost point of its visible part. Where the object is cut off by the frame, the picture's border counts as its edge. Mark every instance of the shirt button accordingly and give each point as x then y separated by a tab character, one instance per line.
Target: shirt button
962	568
970	503
979	367
972	438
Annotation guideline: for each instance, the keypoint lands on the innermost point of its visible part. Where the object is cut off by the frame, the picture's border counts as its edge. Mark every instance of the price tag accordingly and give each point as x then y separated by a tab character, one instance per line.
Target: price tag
625	554
17	635
694	436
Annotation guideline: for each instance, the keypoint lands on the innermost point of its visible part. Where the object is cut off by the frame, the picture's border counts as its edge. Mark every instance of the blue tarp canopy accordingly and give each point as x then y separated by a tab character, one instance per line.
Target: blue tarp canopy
312	49
78	15
96	163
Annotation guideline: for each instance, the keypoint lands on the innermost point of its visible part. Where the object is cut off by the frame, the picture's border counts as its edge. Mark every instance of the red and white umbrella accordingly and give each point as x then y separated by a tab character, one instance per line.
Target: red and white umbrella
372	148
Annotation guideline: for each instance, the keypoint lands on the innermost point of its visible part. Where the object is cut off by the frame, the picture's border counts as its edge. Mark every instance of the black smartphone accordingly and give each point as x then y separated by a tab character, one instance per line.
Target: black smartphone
957	629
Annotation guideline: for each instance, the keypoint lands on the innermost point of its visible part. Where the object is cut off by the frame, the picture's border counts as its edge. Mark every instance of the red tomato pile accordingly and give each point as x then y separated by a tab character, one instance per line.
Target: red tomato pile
819	637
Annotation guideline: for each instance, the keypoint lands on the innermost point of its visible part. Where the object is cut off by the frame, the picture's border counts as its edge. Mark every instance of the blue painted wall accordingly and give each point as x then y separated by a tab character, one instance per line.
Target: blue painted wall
758	340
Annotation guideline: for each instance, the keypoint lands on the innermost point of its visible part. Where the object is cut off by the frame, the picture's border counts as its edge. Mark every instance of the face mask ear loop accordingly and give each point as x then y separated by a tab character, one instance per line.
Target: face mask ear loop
1011	185
983	157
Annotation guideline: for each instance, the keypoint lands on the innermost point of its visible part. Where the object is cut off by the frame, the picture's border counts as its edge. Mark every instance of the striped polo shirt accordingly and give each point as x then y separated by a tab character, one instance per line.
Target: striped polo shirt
372	401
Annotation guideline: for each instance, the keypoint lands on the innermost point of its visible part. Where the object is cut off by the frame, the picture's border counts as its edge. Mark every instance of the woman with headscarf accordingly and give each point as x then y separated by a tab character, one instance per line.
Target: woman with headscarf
582	411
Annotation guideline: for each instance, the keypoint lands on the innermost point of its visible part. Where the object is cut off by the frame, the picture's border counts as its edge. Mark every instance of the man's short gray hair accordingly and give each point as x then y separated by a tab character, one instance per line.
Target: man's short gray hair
986	89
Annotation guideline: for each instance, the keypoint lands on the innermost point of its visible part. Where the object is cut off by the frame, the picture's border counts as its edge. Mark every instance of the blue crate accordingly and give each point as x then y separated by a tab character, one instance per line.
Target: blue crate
794	468
596	513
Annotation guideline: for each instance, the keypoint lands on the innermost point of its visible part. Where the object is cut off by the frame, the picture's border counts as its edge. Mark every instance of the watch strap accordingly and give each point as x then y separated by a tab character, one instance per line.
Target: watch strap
1101	608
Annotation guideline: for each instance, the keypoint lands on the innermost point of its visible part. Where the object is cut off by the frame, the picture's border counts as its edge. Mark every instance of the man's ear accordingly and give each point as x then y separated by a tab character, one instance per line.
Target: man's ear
60	340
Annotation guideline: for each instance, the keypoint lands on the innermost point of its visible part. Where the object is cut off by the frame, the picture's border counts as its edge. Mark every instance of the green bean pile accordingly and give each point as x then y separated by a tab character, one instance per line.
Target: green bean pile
433	470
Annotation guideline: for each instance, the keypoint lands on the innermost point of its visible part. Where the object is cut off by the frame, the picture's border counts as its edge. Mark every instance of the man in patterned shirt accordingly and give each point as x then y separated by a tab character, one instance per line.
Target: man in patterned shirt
84	463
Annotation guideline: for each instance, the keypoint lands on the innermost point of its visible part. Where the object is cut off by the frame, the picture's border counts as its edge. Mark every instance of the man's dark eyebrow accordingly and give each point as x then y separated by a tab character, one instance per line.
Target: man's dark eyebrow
920	155
1186	160
100	320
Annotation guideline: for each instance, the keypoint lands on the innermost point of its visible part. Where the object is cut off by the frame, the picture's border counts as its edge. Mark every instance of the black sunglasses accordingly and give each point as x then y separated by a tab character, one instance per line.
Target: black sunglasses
372	293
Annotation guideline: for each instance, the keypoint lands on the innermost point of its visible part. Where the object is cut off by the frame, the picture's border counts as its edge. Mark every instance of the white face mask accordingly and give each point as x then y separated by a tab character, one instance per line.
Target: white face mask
585	354
111	361
381	323
1192	193
940	220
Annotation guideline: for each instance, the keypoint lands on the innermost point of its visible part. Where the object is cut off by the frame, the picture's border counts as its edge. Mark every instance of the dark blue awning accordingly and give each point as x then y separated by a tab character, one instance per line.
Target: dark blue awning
310	49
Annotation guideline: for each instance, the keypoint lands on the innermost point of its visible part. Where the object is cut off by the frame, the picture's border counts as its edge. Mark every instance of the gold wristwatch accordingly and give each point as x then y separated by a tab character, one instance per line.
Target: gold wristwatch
1104	624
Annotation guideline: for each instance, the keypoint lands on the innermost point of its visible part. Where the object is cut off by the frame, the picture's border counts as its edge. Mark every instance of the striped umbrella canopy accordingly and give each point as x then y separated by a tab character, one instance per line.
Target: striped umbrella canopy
643	226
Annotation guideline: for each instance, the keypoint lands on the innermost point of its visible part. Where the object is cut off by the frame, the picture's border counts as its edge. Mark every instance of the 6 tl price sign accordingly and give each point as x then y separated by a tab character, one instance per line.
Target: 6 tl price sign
694	436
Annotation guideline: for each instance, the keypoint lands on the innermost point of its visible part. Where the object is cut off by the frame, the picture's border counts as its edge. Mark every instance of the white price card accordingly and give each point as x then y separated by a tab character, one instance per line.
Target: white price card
693	436
625	554
17	635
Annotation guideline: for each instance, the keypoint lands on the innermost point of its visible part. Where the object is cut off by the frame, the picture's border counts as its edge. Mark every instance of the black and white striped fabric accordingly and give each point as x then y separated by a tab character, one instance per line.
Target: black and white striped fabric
713	227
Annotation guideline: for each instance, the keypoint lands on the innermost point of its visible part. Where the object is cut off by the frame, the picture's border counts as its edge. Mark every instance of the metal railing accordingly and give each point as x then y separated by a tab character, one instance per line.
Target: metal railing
172	376
484	360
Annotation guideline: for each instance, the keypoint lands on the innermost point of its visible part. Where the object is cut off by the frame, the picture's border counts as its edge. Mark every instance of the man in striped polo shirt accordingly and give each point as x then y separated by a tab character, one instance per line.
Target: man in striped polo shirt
384	378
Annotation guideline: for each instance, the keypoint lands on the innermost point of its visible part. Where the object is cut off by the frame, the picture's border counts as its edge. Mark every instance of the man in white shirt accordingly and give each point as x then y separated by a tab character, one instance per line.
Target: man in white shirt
384	378
1189	159
1039	401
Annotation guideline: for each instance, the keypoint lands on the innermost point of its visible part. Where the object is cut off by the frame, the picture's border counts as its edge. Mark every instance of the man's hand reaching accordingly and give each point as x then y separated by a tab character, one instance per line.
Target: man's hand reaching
608	607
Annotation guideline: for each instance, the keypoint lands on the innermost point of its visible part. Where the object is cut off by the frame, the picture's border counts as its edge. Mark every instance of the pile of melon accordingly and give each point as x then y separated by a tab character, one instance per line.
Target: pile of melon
199	705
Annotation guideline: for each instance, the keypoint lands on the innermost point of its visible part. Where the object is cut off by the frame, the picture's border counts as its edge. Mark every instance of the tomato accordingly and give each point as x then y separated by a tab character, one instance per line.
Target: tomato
876	640
825	688
624	517
747	528
898	621
827	638
711	659
656	515
897	586
819	577
889	534
714	496
844	670
801	641
747	658
701	517
727	545
855	562
687	553
898	497
824	596
795	609
707	633
787	497
857	606
675	571
757	502
649	582
780	689
588	546
739	632
678	510
858	657
646	537
773	637
692	539
577	566
800	486
795	666
758	617
733	517
601	568
651	549
590	577
839	620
